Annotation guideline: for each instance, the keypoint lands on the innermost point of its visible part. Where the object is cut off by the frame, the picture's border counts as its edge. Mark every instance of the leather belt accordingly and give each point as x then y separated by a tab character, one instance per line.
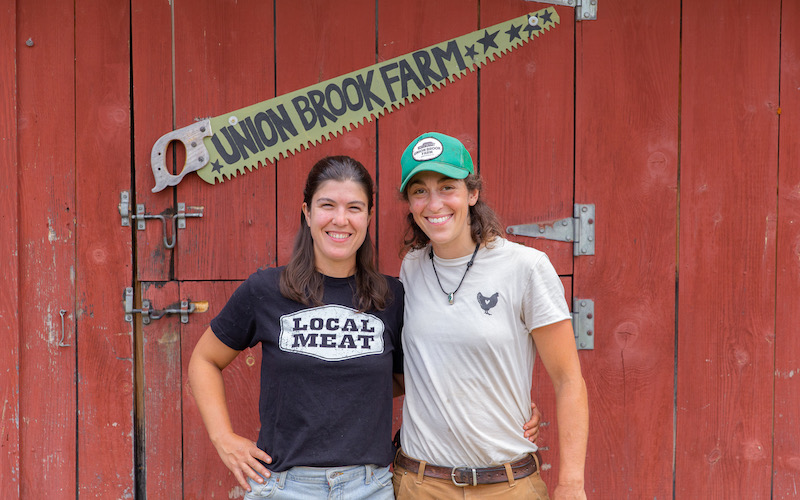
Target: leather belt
468	476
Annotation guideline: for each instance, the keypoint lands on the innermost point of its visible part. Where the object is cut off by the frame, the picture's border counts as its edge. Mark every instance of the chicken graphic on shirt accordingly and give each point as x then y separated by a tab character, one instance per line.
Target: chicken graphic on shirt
487	302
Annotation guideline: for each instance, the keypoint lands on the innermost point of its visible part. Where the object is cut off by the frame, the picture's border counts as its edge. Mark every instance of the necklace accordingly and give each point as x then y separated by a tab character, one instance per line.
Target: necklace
451	295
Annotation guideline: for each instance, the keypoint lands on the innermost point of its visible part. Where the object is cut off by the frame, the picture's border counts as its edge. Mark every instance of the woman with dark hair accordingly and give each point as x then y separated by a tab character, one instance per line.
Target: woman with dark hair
478	309
329	325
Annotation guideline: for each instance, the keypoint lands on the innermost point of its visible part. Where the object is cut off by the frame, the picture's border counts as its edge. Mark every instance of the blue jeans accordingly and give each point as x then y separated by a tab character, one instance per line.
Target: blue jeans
334	483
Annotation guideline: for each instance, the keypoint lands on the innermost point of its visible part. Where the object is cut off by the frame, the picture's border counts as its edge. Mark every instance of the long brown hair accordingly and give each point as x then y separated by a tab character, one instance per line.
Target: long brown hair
484	223
301	281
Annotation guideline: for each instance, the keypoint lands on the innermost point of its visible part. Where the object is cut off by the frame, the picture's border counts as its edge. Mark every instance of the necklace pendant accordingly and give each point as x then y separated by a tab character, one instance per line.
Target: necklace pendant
451	295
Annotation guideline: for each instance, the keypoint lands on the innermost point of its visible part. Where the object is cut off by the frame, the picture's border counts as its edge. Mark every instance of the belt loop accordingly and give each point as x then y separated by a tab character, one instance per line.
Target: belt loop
510	474
537	459
421	471
368	473
281	478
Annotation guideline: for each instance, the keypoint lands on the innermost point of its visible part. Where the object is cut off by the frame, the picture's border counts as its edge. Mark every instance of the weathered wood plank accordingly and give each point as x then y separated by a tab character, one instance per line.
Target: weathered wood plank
159	422
205	476
626	130
310	49
526	128
9	253
223	62
726	302
151	66
786	458
103	250
46	138
453	109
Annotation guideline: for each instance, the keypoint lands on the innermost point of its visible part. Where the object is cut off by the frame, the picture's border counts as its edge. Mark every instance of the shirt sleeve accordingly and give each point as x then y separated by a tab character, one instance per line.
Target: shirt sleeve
543	300
235	325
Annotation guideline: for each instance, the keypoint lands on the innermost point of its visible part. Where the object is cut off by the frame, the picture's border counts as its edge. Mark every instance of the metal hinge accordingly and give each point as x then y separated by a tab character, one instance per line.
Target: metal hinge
578	229
583	323
141	217
148	312
585	10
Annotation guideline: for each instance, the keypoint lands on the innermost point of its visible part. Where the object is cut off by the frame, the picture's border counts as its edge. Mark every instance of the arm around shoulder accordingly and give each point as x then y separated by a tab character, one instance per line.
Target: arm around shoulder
555	344
398	385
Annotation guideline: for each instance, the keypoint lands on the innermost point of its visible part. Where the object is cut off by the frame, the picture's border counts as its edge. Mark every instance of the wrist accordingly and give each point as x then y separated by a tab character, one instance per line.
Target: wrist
571	482
220	435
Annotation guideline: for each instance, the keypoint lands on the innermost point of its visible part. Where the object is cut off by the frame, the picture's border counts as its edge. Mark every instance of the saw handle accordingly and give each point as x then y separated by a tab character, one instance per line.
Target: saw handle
196	153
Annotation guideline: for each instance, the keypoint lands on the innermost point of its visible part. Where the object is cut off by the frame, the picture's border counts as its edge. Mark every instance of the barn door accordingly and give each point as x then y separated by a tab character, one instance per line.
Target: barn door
542	145
223	59
556	132
522	141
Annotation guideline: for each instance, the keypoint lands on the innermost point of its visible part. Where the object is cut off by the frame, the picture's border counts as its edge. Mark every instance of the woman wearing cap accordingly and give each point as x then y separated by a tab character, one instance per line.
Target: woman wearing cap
477	310
329	326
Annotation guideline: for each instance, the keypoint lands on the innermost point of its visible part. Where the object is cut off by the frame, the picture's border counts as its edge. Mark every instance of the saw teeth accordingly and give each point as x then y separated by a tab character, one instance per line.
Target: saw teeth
371	94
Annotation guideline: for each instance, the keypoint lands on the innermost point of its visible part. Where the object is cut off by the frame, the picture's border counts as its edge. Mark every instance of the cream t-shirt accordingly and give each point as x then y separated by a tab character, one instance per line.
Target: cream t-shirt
468	366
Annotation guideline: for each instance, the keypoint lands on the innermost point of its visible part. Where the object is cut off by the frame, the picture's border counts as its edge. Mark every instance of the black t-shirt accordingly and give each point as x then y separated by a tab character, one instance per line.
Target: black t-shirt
326	372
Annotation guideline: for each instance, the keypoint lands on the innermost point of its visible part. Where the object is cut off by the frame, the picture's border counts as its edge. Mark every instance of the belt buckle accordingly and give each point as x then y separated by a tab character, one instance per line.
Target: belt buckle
474	476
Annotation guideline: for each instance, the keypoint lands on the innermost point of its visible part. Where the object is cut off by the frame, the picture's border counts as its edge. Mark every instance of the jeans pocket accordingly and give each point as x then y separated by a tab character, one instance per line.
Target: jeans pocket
263	490
382	475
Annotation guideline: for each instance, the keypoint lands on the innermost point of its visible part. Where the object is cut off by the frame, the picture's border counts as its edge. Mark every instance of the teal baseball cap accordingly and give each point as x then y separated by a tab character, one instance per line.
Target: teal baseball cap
435	152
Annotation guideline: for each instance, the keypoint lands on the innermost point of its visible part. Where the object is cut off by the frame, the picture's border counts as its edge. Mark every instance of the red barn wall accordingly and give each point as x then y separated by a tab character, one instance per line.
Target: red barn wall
675	119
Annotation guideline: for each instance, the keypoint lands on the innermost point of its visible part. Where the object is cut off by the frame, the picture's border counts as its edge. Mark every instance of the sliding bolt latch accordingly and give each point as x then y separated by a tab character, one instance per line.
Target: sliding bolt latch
149	313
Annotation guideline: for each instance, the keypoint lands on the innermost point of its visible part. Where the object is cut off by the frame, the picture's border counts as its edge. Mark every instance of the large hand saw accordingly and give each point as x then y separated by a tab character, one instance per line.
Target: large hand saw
224	146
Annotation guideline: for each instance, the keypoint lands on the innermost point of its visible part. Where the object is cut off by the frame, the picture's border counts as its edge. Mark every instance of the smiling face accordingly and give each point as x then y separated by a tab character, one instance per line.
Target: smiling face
440	206
338	218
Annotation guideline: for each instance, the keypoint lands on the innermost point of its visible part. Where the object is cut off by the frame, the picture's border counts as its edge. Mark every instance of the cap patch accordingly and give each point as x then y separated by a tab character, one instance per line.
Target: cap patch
427	149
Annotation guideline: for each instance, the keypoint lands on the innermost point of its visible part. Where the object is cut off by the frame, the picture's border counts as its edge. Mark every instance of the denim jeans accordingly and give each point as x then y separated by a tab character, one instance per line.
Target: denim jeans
335	483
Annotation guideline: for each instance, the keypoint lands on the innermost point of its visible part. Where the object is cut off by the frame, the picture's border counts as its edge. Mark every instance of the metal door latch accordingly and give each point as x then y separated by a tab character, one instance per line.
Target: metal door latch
578	229
149	313
583	323
585	10
178	219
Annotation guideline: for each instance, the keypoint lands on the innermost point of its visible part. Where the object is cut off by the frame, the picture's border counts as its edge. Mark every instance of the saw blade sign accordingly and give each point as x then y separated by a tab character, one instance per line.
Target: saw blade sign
235	143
